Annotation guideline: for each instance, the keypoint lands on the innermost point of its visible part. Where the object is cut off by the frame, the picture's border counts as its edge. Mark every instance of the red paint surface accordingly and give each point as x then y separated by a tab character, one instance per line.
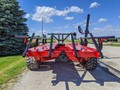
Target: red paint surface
42	52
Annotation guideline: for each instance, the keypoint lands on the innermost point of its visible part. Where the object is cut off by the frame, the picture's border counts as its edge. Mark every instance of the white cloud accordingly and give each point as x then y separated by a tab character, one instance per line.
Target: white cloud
66	26
49	12
82	24
94	5
69	18
107	30
118	16
37	32
75	9
102	20
27	15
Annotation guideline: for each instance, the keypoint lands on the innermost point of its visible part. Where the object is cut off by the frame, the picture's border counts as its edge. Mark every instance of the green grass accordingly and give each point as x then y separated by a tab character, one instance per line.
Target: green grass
114	43
68	40
118	45
10	68
77	41
118	40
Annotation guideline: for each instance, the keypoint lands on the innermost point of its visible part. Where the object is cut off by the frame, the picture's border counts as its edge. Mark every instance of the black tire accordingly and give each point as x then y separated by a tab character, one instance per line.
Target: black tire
91	64
32	64
62	57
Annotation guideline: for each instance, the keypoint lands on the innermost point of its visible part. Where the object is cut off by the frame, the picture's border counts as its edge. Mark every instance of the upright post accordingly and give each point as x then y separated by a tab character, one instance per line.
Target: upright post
51	43
96	45
73	43
42	28
86	30
27	47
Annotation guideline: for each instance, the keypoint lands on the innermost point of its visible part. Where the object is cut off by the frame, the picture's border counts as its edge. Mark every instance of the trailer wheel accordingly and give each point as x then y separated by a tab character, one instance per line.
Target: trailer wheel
62	57
32	64
91	64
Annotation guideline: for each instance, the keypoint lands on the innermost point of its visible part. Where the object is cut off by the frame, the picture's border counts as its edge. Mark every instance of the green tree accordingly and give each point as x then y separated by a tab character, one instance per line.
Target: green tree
12	22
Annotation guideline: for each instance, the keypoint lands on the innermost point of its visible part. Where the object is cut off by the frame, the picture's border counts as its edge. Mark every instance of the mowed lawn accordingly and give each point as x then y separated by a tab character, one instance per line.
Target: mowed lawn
10	67
114	44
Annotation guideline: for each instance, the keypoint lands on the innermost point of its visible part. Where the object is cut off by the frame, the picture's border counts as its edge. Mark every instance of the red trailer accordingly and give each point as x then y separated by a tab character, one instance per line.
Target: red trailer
65	52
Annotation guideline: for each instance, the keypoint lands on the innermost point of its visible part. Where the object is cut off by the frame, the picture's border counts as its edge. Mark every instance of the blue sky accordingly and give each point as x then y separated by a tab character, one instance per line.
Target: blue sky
66	15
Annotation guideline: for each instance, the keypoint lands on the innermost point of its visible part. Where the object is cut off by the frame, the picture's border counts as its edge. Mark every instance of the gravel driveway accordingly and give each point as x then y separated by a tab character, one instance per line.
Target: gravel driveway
71	76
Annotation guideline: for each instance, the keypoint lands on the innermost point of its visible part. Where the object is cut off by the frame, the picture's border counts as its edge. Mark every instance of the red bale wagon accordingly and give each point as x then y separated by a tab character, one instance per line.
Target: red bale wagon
65	52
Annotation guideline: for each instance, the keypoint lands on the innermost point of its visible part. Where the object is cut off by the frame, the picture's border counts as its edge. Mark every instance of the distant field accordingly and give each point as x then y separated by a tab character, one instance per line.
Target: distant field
77	41
114	44
10	67
118	40
89	40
